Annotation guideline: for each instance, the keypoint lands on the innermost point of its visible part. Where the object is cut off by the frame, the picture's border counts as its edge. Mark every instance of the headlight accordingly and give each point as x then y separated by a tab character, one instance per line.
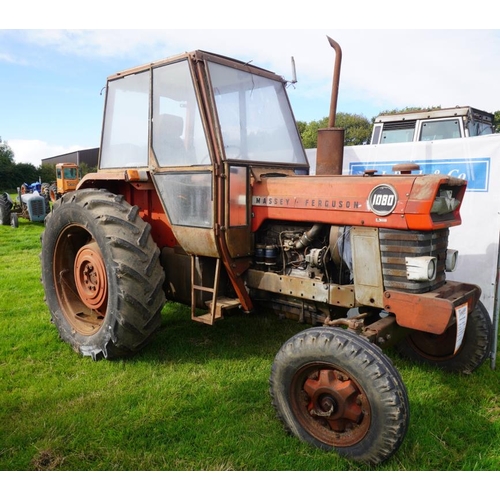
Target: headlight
451	260
444	203
421	268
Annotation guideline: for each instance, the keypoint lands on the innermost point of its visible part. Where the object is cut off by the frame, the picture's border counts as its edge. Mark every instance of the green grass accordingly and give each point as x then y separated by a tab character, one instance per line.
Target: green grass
197	397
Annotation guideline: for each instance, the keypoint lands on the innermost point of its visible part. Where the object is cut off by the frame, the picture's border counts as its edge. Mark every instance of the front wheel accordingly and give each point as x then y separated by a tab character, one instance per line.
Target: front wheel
440	350
14	221
101	274
53	193
335	390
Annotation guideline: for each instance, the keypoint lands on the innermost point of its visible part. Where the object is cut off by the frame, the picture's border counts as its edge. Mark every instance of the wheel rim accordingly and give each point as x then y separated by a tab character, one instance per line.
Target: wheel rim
80	279
90	276
330	405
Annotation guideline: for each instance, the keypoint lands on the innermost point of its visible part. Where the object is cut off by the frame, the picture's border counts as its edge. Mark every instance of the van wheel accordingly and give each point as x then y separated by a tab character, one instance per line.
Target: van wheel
101	274
335	390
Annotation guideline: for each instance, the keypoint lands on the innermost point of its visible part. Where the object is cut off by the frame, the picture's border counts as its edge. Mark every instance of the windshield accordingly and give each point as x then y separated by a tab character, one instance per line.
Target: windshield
255	117
400	133
433	130
70	173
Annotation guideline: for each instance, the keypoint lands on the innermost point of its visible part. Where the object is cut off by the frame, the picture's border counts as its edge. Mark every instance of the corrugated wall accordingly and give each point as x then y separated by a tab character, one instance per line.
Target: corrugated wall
88	156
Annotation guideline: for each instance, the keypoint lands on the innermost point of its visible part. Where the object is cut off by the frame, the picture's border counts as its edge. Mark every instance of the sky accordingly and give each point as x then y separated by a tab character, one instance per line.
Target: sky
52	78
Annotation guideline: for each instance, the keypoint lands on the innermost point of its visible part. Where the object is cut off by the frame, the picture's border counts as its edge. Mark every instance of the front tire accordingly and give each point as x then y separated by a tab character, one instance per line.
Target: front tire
101	274
439	350
335	390
53	193
14	221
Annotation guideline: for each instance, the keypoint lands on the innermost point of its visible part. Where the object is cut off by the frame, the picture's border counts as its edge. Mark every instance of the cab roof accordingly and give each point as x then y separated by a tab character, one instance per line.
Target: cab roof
199	55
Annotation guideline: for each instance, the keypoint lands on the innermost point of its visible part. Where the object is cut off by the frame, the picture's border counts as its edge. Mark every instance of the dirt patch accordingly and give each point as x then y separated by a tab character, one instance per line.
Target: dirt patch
47	460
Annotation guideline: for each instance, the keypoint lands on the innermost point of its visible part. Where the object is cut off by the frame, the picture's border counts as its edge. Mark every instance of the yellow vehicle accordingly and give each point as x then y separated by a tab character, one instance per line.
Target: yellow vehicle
68	177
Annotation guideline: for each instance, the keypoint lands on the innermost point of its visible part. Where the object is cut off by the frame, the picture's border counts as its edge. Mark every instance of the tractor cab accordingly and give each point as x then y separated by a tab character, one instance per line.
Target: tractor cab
67	178
201	128
199	123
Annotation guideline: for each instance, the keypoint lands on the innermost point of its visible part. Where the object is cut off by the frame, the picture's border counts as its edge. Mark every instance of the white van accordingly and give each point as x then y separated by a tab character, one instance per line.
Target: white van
448	123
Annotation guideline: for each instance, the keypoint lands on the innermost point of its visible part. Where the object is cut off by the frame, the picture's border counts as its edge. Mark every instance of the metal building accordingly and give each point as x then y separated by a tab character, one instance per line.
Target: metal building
88	156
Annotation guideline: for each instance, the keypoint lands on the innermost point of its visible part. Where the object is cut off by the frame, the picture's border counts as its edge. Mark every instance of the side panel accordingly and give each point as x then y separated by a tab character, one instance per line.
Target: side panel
189	202
367	266
239	238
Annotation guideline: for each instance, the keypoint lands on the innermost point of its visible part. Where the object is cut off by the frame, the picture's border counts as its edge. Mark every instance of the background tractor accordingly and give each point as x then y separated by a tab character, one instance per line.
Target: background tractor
201	198
40	187
28	205
67	178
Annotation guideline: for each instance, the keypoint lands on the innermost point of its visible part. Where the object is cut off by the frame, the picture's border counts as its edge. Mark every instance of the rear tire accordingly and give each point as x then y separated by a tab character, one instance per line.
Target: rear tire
335	390
101	274
438	350
5	209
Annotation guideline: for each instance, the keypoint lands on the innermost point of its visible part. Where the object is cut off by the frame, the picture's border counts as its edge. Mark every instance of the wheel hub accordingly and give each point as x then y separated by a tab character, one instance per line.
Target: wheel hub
90	276
335	409
327	404
334	396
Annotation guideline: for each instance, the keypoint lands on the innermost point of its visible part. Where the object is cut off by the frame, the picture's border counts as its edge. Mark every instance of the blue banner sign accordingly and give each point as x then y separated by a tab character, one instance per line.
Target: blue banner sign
476	171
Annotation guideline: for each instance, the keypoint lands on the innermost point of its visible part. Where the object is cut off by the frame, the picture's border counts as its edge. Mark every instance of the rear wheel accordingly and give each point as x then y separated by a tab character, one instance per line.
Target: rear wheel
101	274
439	350
335	390
5	209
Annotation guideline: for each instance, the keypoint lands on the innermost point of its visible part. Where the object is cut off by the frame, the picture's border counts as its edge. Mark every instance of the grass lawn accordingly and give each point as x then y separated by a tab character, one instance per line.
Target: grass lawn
195	399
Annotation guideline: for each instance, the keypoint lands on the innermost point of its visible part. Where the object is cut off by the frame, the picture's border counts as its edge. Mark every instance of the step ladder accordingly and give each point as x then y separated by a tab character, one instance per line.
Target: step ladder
217	304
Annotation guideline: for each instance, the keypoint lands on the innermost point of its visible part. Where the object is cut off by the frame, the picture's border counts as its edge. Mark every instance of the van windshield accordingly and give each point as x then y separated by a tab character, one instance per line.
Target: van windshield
433	130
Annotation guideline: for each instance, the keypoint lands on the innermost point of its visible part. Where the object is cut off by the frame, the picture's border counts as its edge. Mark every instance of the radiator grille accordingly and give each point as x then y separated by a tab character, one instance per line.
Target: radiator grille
38	207
396	245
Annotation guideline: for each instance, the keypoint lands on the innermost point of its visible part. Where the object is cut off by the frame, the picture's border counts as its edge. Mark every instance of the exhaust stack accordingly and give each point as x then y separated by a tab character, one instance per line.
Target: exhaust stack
330	152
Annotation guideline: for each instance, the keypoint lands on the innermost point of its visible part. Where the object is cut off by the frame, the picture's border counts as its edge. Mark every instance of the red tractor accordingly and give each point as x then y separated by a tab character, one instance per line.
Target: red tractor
202	197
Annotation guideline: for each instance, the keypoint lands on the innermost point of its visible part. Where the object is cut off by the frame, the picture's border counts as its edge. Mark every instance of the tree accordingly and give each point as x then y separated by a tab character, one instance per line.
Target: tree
357	128
86	169
6	164
301	126
47	172
12	175
496	121
26	172
408	109
6	154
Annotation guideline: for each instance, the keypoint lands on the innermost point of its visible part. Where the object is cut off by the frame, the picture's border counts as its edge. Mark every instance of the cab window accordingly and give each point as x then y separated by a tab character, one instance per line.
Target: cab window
433	130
